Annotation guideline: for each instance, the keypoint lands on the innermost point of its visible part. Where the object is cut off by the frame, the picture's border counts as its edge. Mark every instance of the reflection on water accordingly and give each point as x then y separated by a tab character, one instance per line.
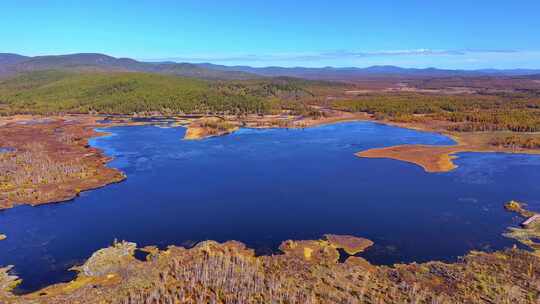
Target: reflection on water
265	186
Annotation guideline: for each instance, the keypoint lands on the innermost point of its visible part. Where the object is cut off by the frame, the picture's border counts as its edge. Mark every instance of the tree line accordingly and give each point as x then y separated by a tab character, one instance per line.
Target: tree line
467	113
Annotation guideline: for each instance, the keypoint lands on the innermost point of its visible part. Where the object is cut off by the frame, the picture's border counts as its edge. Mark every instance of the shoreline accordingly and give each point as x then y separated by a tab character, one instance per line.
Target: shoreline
104	273
73	165
106	269
430	158
310	264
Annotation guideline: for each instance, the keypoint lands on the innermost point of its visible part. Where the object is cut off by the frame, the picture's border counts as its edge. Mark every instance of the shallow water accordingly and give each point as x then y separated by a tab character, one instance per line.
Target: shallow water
265	186
6	149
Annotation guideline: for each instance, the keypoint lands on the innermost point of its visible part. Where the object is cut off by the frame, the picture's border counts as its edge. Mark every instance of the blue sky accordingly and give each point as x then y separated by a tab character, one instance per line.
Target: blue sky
447	34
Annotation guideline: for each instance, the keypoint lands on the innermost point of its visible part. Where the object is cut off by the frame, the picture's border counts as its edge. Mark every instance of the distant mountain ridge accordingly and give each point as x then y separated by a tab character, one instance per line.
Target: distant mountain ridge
12	64
7	58
332	73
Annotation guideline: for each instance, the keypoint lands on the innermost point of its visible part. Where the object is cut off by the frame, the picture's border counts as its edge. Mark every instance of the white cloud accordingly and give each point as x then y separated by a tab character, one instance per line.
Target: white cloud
419	58
334	55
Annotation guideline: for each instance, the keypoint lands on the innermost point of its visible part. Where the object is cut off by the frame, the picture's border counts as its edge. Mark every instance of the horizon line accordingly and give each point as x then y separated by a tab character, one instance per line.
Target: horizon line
201	60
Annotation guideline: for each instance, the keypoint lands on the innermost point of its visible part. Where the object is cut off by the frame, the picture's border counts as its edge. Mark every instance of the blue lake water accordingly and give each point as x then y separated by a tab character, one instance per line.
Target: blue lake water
265	186
6	150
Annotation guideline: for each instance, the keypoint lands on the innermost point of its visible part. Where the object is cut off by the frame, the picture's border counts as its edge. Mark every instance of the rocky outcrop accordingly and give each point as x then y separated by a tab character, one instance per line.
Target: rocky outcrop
108	260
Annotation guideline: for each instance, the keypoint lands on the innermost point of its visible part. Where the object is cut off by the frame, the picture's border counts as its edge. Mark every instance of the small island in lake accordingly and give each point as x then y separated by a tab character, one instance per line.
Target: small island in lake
209	127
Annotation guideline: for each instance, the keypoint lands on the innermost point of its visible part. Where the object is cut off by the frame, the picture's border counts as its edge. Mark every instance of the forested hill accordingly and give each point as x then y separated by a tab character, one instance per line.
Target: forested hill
53	91
13	64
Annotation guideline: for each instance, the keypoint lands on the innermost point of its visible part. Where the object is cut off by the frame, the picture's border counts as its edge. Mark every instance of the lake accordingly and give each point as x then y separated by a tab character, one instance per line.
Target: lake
6	150
265	186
